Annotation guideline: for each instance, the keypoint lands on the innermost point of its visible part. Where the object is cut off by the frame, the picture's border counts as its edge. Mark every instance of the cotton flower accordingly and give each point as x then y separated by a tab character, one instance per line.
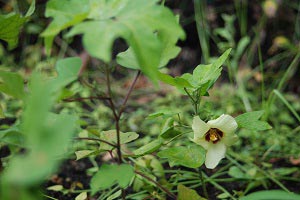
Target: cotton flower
214	136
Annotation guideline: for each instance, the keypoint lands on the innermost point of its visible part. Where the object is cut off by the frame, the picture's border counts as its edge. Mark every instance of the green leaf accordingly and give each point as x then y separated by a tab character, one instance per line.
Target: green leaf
235	172
243	43
12	84
81	196
67	70
12	136
150	162
170	133
46	144
284	171
64	14
31	9
111	136
224	195
203	77
83	153
204	74
47	136
191	156
250	121
10	26
178	82
108	175
169	51
134	20
56	188
185	193
271	194
149	148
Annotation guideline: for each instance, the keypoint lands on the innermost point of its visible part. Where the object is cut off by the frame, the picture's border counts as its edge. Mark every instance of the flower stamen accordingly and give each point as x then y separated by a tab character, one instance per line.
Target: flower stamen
214	135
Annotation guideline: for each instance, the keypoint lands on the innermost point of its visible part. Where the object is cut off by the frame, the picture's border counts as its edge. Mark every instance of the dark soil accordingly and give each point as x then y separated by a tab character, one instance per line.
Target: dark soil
72	176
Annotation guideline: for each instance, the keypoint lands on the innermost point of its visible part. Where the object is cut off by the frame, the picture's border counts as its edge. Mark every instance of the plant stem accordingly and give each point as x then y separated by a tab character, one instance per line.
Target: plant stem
96	139
203	184
117	121
194	102
128	93
116	116
170	194
118	142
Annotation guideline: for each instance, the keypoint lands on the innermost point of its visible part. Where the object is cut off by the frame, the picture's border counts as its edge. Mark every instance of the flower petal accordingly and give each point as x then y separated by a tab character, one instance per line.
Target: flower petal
225	123
199	127
214	154
202	142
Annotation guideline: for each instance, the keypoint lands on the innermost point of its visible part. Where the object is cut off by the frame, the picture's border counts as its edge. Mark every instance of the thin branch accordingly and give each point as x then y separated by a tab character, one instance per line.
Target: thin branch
187	92
118	141
195	102
128	93
96	139
69	50
116	116
113	108
86	83
170	194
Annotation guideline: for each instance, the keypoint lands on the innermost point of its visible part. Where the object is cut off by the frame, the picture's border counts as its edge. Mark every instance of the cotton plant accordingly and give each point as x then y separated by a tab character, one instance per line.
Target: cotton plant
210	139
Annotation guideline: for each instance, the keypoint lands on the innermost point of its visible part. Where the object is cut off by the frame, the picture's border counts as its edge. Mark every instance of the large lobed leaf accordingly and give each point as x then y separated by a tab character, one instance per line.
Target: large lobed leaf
169	51
136	21
65	14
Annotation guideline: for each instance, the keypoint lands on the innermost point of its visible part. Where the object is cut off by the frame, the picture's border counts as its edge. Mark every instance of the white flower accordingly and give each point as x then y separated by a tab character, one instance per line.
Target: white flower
214	136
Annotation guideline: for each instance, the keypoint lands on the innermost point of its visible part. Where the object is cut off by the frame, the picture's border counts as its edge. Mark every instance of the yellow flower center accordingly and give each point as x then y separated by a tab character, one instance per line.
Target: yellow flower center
213	135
